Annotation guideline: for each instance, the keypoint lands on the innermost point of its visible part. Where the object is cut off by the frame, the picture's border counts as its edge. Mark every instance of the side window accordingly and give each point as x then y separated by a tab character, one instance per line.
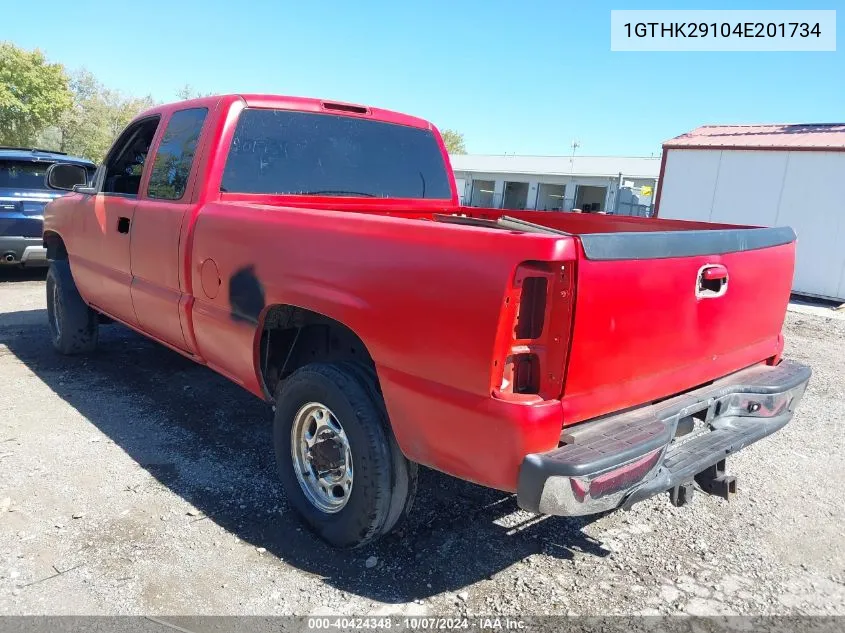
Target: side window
175	154
125	163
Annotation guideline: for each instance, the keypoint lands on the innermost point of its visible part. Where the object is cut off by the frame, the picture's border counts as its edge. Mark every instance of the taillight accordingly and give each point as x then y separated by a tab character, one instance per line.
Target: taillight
621	478
533	335
526	373
531	314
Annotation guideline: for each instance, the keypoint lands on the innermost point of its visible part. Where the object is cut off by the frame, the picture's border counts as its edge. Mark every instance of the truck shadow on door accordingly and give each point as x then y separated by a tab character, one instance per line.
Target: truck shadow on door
209	442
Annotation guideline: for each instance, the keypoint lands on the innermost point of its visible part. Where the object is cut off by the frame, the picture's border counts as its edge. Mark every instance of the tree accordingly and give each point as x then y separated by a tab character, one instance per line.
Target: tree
97	116
454	141
187	92
33	94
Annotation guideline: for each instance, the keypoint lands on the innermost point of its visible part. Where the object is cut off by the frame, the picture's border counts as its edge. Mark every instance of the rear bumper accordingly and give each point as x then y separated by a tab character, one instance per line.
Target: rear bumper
621	459
29	251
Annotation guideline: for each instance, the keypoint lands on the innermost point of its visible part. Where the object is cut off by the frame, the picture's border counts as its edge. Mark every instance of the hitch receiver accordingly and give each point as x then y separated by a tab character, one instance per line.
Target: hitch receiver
681	495
714	481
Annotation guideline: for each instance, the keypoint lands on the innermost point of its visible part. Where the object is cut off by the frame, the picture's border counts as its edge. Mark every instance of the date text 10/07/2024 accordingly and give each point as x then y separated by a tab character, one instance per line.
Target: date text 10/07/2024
418	623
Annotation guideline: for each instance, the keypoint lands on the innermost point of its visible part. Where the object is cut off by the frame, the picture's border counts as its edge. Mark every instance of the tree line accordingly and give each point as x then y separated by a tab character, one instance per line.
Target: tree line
44	105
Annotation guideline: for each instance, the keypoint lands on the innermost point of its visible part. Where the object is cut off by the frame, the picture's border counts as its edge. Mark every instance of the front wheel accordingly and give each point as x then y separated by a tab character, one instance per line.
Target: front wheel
72	324
338	461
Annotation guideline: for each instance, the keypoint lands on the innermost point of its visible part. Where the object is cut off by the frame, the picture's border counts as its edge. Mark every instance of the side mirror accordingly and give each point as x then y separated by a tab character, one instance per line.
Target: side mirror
65	176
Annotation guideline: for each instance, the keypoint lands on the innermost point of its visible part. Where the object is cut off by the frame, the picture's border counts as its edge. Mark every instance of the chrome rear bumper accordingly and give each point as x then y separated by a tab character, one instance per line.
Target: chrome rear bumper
621	459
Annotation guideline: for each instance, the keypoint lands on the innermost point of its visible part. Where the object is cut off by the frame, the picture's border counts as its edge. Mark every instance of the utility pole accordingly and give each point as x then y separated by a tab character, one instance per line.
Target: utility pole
574	145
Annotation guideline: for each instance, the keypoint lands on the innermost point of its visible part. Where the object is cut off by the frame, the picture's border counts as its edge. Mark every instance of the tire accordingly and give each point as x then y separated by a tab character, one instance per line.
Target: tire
384	482
405	490
72	324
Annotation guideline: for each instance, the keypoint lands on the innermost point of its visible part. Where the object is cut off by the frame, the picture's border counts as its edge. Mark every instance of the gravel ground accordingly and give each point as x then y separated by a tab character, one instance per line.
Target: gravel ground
135	482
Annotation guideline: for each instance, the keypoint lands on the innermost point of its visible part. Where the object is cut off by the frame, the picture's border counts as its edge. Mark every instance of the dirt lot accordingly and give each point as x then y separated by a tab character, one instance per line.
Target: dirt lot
133	481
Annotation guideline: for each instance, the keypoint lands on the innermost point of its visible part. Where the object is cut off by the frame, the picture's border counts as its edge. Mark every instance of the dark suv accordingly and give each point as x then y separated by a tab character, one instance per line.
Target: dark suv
23	195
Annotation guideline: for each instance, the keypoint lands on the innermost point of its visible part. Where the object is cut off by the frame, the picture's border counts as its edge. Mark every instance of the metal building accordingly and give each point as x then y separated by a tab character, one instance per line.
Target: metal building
766	175
608	184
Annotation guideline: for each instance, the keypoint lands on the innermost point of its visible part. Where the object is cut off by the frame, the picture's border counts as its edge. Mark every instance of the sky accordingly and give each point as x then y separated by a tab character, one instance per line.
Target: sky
523	77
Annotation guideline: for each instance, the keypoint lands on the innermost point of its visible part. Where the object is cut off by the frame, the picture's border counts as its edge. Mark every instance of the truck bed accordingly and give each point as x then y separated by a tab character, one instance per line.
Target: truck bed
642	330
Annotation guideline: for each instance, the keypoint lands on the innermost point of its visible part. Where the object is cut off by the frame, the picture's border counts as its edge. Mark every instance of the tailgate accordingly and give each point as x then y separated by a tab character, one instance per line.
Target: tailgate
658	313
22	213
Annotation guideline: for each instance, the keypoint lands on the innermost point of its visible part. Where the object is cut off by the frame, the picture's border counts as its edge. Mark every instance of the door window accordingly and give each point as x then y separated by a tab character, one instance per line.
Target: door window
125	163
175	154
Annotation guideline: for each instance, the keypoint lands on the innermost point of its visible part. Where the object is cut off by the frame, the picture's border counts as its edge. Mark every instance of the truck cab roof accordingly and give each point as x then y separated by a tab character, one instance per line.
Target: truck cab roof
302	104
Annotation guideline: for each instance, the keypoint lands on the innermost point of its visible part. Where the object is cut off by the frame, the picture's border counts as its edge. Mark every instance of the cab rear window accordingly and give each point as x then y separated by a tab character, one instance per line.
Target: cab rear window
305	153
23	174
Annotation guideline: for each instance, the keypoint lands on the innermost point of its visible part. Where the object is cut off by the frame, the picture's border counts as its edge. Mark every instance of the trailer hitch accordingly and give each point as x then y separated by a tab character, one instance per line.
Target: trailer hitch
713	481
716	482
681	495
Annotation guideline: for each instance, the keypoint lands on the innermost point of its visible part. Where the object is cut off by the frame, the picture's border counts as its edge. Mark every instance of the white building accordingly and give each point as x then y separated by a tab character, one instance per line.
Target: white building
558	183
766	175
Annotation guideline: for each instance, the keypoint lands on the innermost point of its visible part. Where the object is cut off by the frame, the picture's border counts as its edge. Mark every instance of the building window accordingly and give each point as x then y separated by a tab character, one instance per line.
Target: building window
516	196
550	197
483	193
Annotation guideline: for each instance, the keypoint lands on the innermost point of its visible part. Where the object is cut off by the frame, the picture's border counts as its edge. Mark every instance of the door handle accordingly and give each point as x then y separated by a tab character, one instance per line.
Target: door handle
712	281
122	225
714	272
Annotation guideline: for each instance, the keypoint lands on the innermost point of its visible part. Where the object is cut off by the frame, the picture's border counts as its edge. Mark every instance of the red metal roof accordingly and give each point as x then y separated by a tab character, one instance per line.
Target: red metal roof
820	136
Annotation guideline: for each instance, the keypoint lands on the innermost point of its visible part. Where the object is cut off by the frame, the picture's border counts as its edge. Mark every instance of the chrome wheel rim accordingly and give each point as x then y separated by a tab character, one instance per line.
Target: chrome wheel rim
56	305
322	458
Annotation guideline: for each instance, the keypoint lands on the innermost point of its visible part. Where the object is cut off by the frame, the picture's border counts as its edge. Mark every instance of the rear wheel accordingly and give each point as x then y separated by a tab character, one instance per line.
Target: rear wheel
338	461
72	324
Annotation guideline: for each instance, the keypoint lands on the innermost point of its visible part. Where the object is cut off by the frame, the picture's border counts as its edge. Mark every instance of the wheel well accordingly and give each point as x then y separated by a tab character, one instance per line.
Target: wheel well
292	337
55	246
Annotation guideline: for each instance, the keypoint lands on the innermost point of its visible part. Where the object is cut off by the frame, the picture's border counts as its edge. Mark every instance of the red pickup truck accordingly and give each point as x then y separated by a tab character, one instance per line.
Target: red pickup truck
316	253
